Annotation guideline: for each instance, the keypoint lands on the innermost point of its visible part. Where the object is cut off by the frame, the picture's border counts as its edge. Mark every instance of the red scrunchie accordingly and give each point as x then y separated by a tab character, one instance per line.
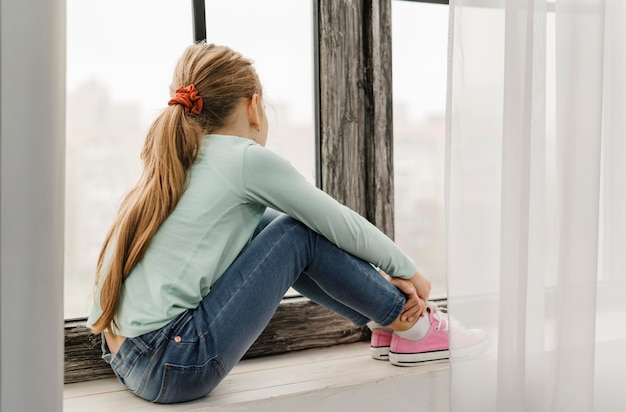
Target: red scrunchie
188	97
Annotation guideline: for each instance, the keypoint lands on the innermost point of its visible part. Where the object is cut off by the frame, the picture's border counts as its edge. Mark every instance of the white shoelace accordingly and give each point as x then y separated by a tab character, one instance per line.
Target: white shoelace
439	315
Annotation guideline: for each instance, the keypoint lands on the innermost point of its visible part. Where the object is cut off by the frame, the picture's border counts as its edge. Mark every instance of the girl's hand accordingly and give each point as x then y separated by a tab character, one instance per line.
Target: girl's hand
422	285
414	306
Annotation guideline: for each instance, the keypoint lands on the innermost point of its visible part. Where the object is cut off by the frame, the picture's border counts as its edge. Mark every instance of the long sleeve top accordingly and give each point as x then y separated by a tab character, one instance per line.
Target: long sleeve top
229	186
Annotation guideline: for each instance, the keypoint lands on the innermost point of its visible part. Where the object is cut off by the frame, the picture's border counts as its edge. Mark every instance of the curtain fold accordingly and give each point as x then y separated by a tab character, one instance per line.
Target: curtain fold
536	203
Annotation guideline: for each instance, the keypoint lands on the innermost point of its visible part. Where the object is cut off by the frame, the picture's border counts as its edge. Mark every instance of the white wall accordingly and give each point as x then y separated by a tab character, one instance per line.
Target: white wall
32	135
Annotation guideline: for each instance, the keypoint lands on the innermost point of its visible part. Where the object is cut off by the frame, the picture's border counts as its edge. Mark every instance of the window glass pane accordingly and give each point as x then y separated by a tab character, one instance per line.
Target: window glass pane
278	36
419	36
120	59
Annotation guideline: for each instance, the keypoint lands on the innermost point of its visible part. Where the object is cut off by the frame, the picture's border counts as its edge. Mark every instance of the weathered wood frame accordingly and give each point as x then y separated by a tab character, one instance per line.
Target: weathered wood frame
355	165
355	106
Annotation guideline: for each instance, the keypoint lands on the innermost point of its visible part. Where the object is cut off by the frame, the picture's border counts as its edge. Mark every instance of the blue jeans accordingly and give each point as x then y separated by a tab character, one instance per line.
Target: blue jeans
189	357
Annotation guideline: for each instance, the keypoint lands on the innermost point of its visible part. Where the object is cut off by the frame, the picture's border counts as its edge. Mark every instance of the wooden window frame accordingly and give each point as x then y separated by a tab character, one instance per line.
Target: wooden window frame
354	162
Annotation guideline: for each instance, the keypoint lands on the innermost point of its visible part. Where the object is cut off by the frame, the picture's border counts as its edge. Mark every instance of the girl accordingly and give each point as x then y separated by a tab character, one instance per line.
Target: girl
193	268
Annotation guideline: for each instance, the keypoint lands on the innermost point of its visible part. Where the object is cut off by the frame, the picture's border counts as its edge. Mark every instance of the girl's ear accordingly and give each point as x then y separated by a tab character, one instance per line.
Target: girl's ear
254	111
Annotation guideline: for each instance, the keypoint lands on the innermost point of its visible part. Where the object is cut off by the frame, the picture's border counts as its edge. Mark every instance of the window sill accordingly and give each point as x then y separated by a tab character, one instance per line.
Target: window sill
298	324
342	377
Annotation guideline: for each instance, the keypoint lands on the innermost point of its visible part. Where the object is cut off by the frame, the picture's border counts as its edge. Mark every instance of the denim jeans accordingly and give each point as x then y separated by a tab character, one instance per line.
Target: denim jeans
188	358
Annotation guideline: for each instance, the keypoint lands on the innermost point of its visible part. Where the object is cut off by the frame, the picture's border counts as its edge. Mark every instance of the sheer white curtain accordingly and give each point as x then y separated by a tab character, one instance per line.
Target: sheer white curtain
536	203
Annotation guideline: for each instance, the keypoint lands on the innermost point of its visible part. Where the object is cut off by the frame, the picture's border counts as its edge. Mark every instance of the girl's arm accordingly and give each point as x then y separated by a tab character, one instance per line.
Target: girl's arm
272	181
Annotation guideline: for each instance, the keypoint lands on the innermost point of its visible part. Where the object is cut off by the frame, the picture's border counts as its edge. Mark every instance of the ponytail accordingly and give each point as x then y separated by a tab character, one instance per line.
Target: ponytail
147	205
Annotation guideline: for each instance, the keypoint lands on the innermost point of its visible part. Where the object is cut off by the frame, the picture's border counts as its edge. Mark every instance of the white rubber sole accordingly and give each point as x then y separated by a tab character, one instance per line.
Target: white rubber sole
380	353
414	359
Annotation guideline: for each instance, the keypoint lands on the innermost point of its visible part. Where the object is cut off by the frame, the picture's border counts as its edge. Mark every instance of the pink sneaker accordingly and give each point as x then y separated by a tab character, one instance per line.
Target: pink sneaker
379	344
435	345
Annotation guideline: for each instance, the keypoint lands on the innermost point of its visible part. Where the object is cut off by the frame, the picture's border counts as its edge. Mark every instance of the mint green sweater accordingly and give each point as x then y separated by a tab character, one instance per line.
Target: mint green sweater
229	187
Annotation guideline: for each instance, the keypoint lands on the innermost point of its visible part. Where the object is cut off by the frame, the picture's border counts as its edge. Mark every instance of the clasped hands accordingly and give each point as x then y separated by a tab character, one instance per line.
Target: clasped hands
417	291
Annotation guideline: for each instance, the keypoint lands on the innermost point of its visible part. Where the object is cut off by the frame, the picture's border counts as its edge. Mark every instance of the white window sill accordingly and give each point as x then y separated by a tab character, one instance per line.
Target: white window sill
339	378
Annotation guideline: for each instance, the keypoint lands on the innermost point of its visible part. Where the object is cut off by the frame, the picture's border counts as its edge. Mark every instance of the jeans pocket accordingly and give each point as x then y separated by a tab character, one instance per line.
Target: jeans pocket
185	383
131	363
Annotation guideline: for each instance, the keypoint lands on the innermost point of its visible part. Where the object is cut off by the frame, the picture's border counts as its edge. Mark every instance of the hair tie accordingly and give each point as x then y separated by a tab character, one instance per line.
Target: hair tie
188	97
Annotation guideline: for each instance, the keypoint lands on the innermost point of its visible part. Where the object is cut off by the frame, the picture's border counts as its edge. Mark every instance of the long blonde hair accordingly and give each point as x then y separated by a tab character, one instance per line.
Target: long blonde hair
222	78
